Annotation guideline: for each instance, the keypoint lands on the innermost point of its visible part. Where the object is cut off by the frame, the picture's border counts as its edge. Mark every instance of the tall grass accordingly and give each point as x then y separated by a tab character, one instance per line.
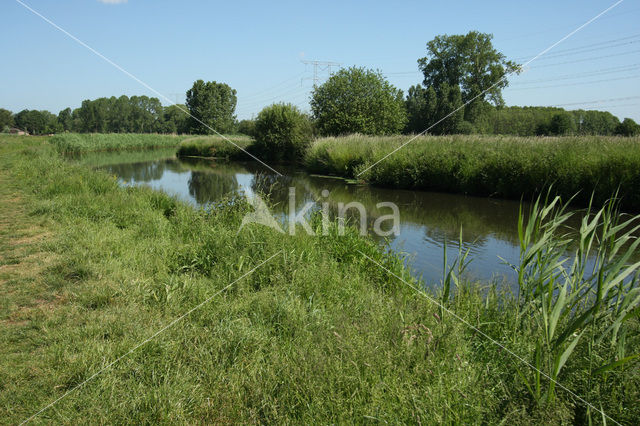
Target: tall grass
215	147
75	143
502	166
316	335
572	303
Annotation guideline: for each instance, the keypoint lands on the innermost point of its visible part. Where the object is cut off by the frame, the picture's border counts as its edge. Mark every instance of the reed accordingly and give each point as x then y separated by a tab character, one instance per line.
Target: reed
501	166
215	147
76	143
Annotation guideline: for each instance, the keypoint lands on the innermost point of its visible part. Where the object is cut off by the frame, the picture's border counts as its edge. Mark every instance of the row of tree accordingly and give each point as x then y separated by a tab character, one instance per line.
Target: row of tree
137	114
461	92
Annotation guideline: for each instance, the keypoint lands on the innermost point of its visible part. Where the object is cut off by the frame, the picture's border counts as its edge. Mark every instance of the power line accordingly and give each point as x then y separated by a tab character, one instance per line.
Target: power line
296	91
632	77
550	29
587	59
603	71
590	47
275	86
599	101
320	66
539	66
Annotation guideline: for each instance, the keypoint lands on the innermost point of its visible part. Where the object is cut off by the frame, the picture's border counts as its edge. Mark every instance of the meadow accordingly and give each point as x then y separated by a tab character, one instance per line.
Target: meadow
497	166
318	333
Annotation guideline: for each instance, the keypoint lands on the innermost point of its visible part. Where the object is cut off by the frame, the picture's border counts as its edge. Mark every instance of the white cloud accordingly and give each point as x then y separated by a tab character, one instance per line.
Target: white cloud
112	1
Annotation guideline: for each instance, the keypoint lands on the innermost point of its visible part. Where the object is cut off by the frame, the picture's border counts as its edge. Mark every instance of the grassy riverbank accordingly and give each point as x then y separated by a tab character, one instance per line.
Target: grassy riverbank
215	147
318	333
76	143
500	166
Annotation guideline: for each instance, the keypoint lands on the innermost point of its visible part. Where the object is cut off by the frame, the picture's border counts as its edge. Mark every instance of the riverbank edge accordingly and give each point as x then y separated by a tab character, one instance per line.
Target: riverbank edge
585	170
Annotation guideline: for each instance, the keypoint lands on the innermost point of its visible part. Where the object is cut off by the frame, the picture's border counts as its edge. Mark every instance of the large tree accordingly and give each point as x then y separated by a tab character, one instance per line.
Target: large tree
426	109
6	119
471	62
357	100
628	127
65	120
175	119
37	122
212	106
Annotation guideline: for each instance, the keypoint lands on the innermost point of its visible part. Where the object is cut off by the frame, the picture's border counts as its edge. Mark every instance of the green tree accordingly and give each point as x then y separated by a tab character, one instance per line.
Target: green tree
213	104
628	127
421	107
37	122
471	62
282	132
175	119
357	100
247	127
6	119
65	120
595	122
449	103
562	124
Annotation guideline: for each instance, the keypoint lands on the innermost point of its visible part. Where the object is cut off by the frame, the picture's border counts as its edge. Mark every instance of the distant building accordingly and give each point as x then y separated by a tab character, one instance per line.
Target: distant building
19	132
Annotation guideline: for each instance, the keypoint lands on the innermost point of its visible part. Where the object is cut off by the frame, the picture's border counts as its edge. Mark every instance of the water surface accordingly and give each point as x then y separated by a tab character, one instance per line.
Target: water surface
427	219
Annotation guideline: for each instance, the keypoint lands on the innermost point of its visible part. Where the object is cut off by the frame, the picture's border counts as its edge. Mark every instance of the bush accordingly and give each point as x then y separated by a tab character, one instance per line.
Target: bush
466	128
247	127
357	100
282	132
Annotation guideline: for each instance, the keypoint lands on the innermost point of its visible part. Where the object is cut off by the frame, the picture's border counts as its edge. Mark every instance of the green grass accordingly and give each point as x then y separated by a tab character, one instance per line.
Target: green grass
76	143
318	334
501	166
215	147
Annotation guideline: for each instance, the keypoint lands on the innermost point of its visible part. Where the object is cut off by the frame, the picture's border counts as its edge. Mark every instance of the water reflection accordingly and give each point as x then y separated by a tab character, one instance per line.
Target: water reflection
427	220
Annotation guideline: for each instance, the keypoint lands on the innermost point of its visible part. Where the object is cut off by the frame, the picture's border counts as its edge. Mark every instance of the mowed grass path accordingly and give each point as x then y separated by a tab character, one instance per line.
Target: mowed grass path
90	269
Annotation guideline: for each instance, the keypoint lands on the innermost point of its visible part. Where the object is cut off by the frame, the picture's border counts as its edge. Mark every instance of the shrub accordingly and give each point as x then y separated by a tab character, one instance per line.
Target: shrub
357	100
282	132
247	127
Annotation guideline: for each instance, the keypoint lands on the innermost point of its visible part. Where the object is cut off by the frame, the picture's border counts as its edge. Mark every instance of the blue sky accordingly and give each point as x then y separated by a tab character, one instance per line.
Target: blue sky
256	47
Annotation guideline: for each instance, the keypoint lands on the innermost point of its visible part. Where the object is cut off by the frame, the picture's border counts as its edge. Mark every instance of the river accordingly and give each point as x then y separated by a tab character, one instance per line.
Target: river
427	219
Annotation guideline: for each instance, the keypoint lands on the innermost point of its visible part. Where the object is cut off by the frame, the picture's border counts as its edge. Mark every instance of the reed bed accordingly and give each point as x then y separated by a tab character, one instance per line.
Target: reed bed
500	166
77	143
215	147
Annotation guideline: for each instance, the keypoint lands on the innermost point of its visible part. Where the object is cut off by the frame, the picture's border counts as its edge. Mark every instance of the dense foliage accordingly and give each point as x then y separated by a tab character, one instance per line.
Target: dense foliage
470	62
37	122
357	100
246	127
136	114
6	119
628	127
467	69
212	106
282	132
